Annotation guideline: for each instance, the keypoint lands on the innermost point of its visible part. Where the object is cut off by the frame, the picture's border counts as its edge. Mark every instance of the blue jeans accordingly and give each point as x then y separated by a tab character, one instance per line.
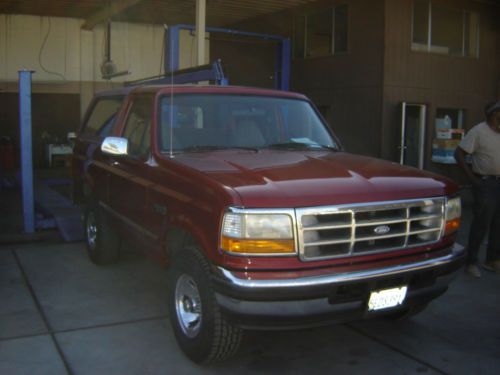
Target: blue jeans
486	218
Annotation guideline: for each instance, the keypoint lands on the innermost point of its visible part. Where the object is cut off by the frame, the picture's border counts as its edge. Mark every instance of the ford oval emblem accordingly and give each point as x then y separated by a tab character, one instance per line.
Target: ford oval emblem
382	229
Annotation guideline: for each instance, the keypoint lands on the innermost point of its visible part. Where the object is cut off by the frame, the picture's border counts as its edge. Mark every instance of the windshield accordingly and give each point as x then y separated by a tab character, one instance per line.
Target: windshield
213	121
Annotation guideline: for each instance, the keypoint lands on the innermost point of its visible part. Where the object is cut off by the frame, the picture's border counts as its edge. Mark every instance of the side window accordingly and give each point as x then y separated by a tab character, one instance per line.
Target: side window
138	127
103	115
322	32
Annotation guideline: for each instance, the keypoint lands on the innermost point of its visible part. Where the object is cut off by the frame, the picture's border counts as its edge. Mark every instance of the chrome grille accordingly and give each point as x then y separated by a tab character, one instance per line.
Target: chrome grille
348	230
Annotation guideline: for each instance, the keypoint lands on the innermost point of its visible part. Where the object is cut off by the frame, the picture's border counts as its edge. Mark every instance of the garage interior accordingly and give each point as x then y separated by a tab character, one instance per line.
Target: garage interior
383	91
79	49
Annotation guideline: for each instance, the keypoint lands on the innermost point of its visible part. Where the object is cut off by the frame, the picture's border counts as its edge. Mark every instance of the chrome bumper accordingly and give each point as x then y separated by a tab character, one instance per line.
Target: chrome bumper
457	252
319	300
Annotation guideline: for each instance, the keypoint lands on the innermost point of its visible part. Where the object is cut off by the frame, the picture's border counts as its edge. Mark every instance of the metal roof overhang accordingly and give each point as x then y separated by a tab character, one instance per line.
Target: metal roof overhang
219	13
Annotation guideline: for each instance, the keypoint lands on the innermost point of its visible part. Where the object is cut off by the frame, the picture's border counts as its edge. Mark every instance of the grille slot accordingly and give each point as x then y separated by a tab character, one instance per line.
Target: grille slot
347	230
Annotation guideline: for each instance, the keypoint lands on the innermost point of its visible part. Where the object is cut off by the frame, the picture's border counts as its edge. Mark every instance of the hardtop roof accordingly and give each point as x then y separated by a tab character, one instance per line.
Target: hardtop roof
209	89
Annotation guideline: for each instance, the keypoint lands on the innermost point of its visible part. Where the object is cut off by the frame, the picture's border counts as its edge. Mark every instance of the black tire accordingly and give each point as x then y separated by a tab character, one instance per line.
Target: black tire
200	328
100	238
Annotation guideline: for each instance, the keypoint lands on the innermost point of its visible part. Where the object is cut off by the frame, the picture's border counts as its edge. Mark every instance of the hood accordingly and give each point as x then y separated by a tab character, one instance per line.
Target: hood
276	178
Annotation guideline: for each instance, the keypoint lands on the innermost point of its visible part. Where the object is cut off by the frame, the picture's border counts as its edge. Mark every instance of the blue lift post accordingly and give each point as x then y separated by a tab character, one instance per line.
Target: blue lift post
26	150
282	69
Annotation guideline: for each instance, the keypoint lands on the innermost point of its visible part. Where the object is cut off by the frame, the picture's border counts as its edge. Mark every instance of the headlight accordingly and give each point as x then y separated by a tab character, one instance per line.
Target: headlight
257	233
453	214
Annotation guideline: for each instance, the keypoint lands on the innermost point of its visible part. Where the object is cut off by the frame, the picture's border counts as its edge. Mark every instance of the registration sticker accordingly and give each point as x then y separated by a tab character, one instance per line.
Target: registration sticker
386	298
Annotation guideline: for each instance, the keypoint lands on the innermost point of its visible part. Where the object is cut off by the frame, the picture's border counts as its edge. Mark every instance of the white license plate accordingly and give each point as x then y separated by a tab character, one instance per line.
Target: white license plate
386	298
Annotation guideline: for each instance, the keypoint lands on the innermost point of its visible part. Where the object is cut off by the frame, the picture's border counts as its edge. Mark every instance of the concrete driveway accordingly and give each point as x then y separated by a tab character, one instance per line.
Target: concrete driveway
60	314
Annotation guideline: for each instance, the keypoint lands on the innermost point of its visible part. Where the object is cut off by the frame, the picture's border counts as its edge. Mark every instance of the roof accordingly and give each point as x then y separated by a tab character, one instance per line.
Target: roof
171	12
199	89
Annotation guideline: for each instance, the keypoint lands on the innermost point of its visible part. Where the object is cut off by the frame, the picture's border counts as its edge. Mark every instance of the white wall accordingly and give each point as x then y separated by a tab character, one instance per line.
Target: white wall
66	58
68	50
21	40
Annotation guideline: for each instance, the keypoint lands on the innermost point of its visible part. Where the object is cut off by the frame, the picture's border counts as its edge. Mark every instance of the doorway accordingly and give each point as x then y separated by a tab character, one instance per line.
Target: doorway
412	134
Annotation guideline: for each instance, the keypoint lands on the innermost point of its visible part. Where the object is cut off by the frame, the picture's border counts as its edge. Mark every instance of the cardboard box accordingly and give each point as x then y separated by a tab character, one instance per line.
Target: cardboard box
450	133
447	144
443	150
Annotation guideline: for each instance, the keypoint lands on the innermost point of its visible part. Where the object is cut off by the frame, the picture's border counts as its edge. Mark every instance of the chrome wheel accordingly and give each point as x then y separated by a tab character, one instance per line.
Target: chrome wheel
91	230
188	305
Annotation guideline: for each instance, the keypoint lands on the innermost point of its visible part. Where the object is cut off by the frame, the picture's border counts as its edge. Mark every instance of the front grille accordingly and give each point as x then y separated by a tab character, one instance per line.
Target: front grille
350	230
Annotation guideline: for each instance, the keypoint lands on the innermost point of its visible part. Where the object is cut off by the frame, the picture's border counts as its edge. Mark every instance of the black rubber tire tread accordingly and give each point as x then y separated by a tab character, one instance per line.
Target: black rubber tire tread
218	339
107	247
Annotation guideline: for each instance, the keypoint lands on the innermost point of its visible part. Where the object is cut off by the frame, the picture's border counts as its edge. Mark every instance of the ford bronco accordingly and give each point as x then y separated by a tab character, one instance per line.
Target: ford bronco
261	217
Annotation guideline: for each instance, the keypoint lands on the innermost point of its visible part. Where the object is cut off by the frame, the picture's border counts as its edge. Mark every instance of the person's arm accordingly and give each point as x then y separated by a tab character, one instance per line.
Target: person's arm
460	158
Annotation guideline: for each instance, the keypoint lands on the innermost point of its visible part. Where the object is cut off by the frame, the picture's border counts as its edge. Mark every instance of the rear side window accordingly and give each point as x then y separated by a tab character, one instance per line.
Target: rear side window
103	115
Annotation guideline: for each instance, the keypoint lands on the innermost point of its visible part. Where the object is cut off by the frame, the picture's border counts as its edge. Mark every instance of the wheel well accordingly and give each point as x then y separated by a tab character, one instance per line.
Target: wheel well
177	239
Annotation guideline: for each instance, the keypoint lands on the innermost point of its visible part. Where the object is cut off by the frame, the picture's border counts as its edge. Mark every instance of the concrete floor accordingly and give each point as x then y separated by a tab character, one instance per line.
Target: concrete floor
60	314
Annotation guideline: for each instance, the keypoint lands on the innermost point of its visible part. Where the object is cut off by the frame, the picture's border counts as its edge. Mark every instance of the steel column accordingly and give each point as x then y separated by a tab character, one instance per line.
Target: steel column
26	150
171	62
200	31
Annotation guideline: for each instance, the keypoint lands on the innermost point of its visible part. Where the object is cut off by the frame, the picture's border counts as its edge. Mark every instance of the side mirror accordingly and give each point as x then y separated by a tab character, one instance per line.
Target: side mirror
115	146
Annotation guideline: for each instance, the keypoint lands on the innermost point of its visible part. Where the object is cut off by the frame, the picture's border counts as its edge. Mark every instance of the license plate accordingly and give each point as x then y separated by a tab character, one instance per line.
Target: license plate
386	298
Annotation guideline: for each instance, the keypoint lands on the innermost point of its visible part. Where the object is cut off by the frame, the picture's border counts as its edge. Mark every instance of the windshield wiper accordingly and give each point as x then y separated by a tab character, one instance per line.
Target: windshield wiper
202	148
300	146
214	148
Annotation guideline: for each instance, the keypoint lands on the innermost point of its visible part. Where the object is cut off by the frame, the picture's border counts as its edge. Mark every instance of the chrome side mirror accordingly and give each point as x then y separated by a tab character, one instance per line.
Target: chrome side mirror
115	146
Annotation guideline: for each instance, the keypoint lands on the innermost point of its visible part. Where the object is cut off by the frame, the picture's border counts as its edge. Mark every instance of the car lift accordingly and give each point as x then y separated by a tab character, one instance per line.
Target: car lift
211	72
283	52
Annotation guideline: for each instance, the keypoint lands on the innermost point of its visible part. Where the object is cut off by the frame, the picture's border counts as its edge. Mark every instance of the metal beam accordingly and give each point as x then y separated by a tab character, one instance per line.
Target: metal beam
108	12
210	72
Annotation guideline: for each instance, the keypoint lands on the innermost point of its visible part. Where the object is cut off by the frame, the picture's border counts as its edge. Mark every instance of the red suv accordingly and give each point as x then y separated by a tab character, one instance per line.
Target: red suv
262	218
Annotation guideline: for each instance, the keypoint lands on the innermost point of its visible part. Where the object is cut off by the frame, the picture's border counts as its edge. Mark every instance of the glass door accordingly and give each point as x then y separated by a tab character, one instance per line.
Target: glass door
412	134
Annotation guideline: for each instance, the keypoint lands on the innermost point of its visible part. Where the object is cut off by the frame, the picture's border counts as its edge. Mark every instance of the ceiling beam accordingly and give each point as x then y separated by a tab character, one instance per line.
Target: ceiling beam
105	14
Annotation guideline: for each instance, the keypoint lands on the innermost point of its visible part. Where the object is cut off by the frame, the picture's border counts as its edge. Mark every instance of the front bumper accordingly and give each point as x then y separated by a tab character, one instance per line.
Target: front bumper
332	298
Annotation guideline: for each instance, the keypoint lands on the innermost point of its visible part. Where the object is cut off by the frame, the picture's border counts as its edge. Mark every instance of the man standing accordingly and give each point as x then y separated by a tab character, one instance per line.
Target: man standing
482	143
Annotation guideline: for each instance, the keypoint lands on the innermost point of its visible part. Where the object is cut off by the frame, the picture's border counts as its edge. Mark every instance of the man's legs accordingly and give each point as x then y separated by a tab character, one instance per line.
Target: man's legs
493	250
485	205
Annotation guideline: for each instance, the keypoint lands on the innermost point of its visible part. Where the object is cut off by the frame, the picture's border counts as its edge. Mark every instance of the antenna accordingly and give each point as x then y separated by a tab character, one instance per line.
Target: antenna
171	55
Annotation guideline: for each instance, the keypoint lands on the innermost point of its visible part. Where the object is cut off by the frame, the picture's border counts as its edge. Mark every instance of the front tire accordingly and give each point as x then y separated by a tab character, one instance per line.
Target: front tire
100	238
200	328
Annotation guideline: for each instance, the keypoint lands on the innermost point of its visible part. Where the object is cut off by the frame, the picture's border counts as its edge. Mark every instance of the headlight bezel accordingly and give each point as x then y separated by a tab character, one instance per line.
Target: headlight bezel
291	241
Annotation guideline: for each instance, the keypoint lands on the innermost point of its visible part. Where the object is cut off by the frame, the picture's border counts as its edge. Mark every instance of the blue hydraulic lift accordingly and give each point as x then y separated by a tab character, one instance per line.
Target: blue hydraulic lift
214	72
26	150
210	72
283	52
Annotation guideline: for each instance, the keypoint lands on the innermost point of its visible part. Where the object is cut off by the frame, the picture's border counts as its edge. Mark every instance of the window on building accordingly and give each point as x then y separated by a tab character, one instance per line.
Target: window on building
321	33
444	30
454	117
449	123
